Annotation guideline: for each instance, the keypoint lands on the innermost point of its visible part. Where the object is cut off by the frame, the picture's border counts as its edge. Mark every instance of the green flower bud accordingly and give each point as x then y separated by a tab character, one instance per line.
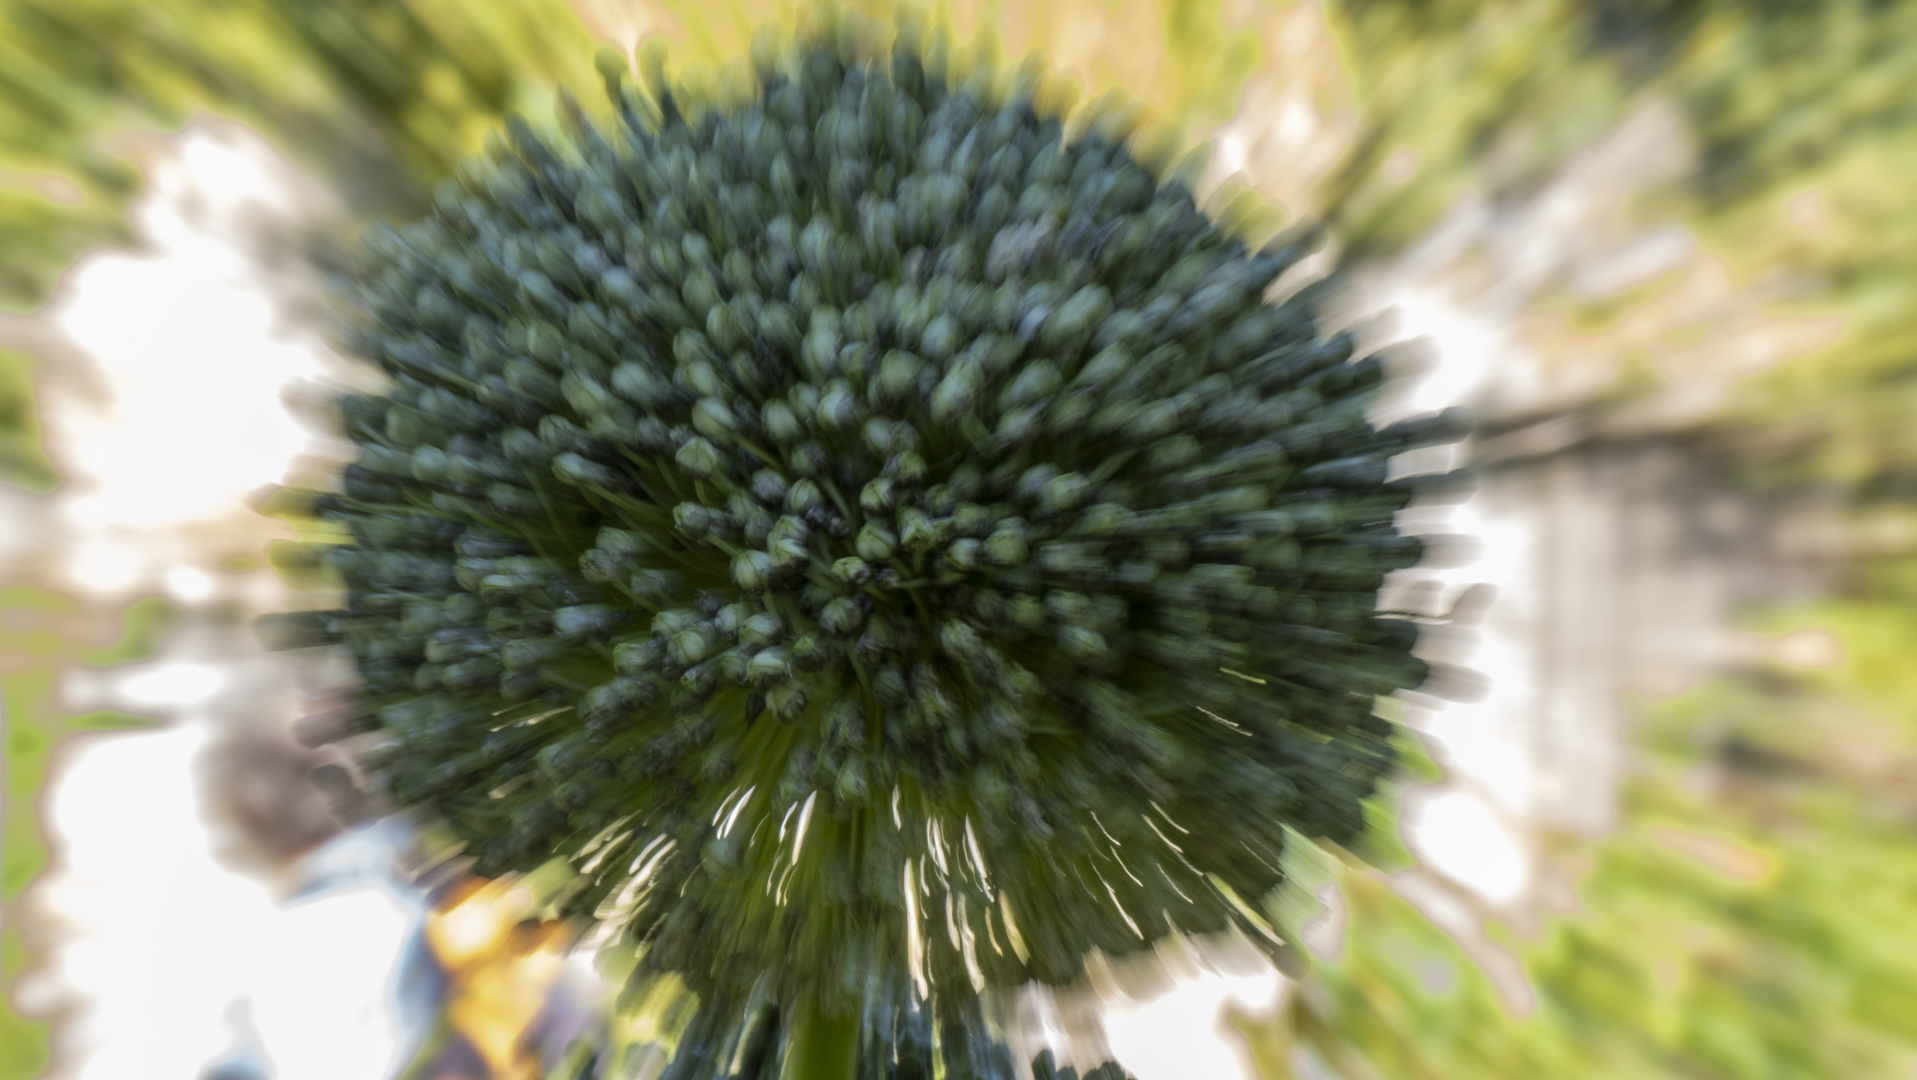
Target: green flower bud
513	500
638	657
1039	380
1083	645
471	673
876	542
821	347
838	406
713	419
769	487
787	702
1355	473
585	620
908	468
966	554
731	665
1074	320
696	684
428	465
689	646
641	385
586	396
1006	547
577	470
971	519
670	622
1020	426
761	628
725	327
524	448
1107	520
898	378
612	701
805	498
781	423
815	652
916	531
878	435
787	555
692	519
1062	493
809	459
752	570
779	327
1027	612
958	391
699	458
768	667
960	641
700	292
691	346
843	616
731	618
878	497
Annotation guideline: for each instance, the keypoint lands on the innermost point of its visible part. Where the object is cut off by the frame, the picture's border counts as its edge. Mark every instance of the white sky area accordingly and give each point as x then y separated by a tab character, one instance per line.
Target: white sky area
1465	829
171	955
193	358
1182	1033
178	961
173	960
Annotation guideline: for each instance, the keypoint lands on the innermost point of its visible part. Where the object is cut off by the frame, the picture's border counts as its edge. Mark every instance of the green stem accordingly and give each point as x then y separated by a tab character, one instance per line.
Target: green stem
821	1046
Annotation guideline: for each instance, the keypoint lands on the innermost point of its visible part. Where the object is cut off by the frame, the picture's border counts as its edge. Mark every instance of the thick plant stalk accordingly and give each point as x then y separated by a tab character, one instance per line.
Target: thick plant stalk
823	1046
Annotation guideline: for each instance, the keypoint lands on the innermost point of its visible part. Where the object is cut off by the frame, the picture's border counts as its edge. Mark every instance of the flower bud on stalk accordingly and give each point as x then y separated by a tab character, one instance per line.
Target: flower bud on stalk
823	480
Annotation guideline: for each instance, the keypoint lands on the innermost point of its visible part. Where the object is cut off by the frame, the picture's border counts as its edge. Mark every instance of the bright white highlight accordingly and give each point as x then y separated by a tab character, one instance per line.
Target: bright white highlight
322	975
1182	1033
914	945
190	348
1458	835
176	684
1468	348
189	583
169	960
103	566
805	819
311	985
734	816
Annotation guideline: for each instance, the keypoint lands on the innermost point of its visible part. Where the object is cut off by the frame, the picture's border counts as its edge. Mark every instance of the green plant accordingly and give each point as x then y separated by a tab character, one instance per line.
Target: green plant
885	549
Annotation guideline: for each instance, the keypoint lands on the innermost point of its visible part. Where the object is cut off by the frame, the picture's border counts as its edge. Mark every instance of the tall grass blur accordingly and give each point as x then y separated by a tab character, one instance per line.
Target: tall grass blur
1660	817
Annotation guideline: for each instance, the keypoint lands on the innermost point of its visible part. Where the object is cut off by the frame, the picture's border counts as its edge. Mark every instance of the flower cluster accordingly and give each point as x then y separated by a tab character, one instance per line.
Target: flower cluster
886	548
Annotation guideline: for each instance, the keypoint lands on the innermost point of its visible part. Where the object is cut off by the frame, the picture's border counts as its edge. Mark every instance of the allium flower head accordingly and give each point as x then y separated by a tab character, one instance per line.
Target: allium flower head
887	549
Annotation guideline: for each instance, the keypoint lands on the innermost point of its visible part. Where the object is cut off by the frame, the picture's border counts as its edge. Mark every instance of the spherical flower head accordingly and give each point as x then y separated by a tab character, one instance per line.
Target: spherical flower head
882	546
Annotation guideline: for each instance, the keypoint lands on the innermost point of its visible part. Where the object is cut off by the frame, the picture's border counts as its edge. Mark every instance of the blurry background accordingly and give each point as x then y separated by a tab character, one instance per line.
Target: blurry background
1660	816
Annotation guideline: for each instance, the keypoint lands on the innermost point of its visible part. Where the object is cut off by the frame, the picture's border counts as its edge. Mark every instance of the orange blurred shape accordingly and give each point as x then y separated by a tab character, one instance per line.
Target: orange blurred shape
501	970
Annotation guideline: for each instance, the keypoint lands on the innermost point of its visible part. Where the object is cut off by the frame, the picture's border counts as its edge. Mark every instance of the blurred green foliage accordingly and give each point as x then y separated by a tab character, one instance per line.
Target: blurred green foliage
1802	117
23	461
1751	915
42	632
1460	97
377	96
